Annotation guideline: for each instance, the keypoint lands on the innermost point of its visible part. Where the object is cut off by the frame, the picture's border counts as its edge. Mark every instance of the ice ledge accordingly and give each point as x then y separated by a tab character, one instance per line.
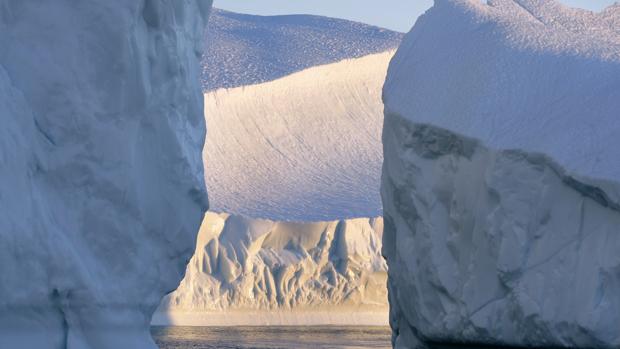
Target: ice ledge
273	317
441	141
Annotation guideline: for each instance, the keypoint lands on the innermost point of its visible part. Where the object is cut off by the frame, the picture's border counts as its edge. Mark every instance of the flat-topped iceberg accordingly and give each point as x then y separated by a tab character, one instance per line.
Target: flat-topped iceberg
102	188
501	181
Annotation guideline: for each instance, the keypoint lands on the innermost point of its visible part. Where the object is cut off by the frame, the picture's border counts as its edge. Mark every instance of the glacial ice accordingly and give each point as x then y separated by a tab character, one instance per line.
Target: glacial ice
260	272
102	188
501	182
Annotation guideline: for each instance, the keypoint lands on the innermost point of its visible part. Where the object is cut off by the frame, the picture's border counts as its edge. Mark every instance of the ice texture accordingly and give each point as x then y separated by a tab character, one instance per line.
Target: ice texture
259	272
500	183
102	188
306	147
247	49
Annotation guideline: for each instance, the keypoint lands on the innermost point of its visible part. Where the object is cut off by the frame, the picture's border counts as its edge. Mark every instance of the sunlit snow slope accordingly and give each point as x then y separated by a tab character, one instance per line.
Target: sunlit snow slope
306	147
246	49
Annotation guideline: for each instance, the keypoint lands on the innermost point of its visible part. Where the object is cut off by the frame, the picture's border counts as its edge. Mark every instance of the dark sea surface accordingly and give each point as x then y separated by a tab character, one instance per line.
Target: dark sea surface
272	337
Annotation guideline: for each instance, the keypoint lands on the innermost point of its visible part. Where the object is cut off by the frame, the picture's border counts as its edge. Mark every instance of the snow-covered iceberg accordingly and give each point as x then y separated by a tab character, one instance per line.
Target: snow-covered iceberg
101	176
260	272
501	179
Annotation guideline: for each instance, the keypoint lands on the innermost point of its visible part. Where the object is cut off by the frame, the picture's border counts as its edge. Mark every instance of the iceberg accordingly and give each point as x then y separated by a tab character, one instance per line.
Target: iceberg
102	186
501	182
253	272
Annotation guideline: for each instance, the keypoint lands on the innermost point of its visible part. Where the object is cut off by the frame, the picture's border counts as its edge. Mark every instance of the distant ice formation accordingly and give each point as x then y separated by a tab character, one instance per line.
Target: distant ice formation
501	180
102	188
259	272
246	49
306	147
302	148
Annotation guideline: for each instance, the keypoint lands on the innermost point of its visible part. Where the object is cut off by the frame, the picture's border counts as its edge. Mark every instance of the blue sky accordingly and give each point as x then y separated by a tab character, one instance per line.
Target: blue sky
393	14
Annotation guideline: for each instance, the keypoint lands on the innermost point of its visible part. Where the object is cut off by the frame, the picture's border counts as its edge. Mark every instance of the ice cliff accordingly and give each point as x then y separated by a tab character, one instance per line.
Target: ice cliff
260	272
501	179
102	188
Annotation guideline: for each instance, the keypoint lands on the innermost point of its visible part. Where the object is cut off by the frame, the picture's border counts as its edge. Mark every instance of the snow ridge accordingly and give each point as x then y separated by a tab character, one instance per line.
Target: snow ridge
246	49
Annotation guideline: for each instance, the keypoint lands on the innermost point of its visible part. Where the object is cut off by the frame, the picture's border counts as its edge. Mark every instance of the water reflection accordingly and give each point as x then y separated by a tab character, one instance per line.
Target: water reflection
272	337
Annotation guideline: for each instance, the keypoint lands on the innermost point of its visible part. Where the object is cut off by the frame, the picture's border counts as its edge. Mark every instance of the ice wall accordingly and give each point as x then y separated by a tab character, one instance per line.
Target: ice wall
101	189
260	272
501	180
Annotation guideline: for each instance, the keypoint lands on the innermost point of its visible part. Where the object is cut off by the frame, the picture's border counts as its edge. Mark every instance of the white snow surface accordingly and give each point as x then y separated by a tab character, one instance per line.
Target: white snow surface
259	272
543	78
306	147
102	186
246	49
500	183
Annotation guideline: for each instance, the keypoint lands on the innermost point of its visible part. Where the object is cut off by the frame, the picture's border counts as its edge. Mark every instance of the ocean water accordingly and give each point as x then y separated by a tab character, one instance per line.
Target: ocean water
272	337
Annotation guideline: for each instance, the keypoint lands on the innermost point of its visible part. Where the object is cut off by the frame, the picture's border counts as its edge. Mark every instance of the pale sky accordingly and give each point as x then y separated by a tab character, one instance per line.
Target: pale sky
392	14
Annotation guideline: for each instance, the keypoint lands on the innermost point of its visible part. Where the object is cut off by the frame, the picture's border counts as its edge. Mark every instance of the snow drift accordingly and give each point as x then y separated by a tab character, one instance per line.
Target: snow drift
260	272
245	49
306	147
102	188
501	182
